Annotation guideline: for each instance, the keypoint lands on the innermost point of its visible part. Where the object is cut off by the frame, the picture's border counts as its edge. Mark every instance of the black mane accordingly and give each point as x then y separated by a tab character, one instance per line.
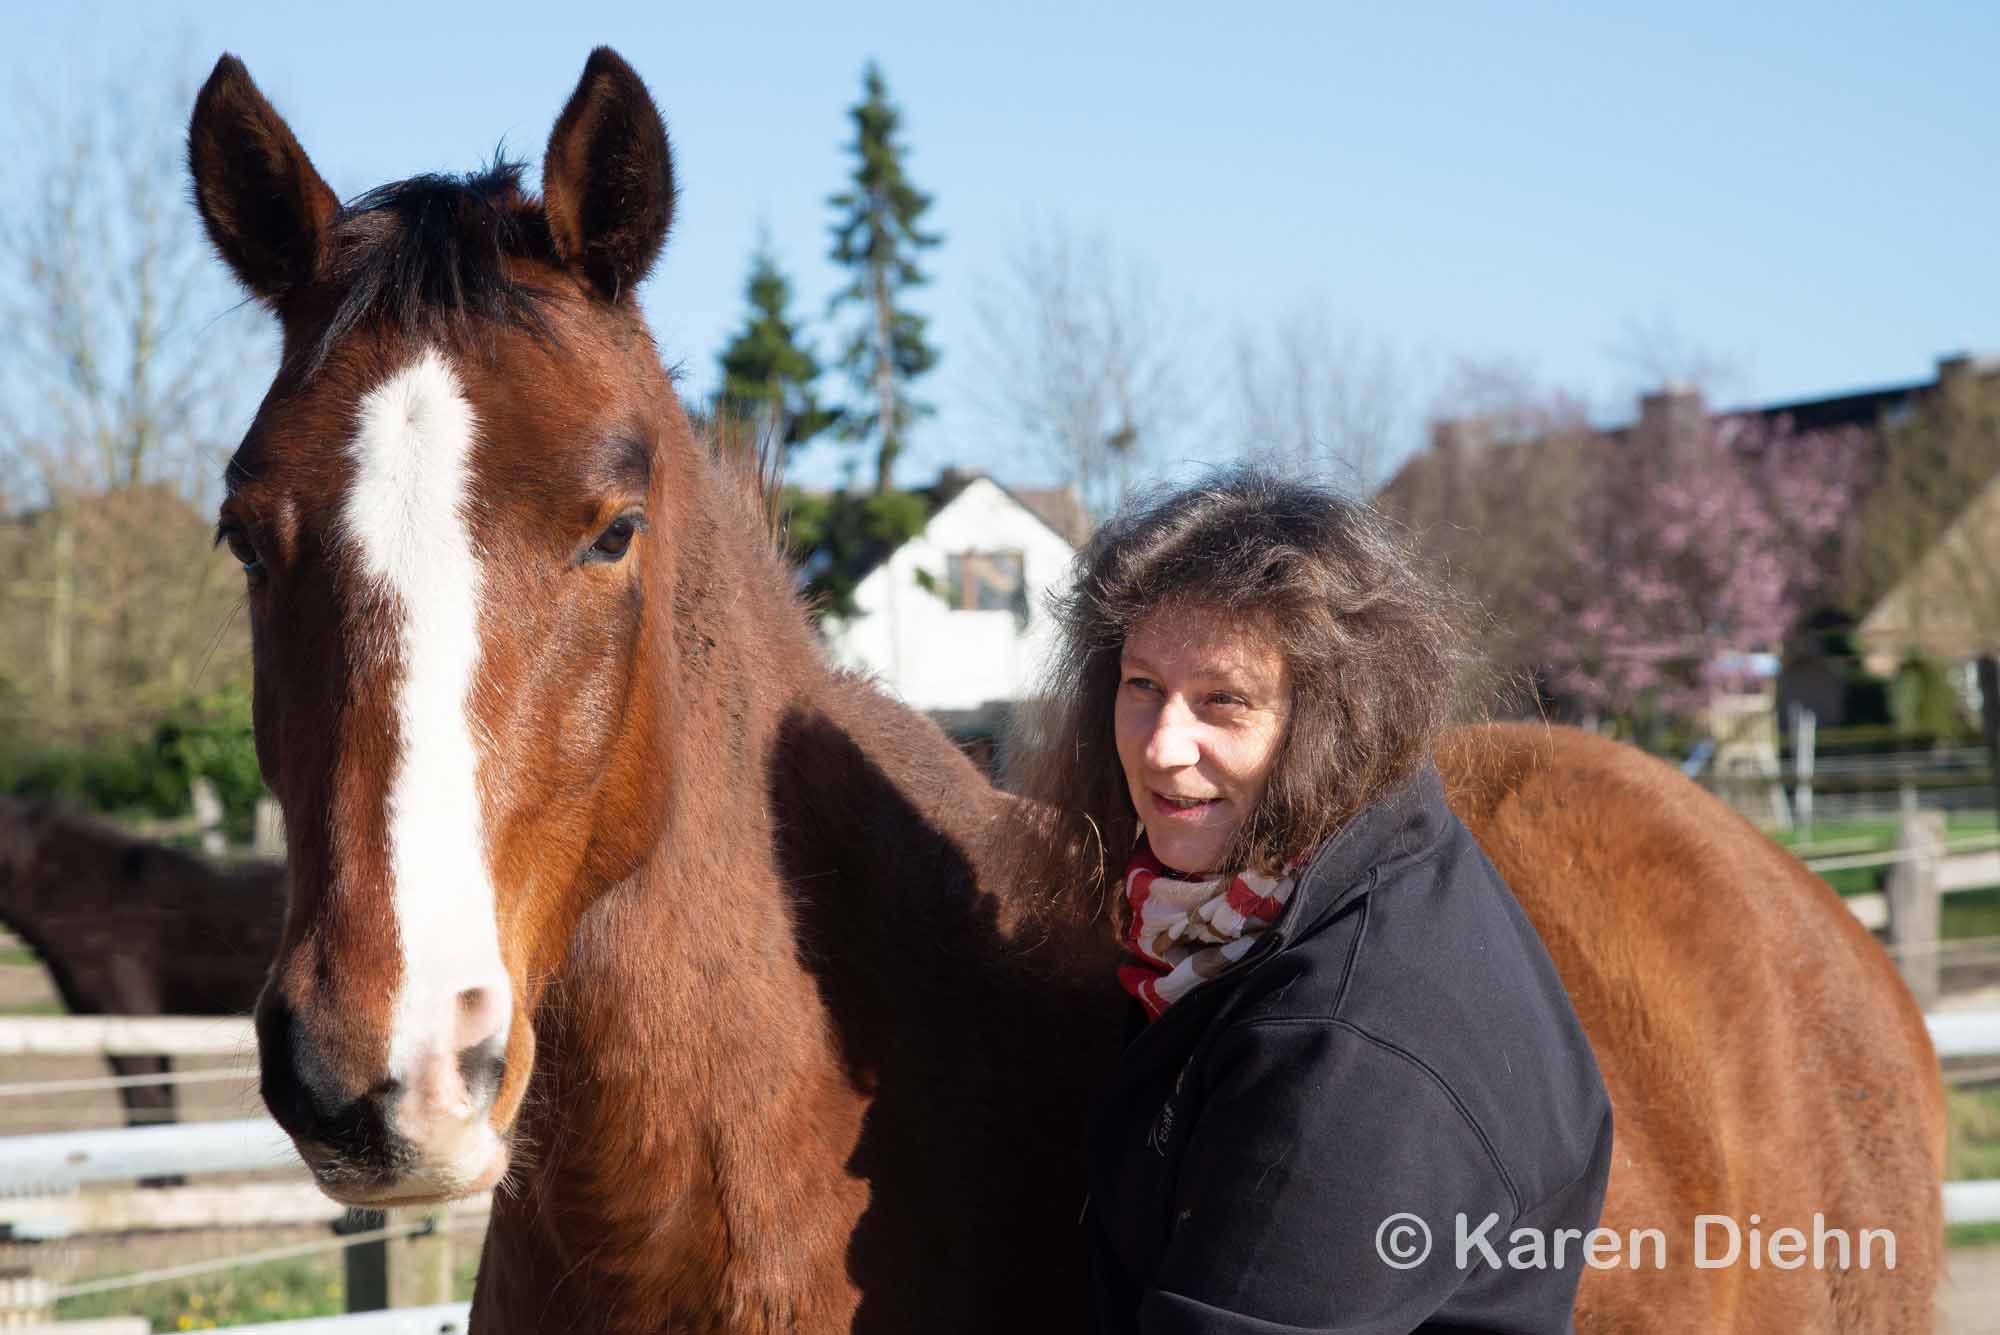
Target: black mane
429	255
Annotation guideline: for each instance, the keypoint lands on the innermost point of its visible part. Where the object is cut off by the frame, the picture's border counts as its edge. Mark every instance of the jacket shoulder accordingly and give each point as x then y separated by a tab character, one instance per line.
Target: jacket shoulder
1435	961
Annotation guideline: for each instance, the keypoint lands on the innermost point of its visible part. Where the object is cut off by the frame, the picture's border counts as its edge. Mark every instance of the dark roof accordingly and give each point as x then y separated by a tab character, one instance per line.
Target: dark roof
1060	508
1866	408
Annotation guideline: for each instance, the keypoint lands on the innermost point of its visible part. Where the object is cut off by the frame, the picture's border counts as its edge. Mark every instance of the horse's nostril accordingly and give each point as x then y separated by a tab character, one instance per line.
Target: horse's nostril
306	1097
482	1066
482	1014
285	1093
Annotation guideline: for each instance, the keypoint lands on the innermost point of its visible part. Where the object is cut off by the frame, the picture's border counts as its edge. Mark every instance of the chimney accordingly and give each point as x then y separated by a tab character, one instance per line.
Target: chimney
1670	418
952	480
1447	436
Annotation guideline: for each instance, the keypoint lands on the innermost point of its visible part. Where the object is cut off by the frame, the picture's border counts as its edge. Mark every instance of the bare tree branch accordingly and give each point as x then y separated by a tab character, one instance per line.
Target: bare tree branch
1656	353
1319	399
1081	355
116	399
106	286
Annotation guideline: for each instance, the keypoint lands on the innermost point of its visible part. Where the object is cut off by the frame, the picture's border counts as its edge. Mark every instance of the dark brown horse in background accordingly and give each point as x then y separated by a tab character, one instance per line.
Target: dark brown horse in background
607	889
126	926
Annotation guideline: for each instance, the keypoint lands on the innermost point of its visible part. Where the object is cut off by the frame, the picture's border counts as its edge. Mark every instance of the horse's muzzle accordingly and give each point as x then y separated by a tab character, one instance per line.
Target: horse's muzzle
418	1134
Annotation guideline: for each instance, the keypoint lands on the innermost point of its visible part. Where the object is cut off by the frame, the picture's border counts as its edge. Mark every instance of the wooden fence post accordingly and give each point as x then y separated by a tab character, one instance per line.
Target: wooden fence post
420	1266
366	1263
207	805
413	1271
25	1299
1915	903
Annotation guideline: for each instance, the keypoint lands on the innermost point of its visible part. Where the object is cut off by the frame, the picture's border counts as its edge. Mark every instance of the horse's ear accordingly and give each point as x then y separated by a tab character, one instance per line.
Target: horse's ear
608	179
265	208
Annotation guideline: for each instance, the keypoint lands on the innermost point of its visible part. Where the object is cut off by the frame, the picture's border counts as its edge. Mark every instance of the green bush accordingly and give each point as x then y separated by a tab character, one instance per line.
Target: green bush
148	775
211	738
836	538
1923	700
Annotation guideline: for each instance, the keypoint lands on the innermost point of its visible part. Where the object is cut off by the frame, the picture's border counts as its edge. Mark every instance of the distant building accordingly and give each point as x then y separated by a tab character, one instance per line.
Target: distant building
1946	607
1665	416
954	620
1444	492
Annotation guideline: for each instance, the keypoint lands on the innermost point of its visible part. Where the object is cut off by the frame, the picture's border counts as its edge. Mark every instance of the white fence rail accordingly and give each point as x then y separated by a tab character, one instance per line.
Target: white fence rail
53	1216
1922	869
126	1035
53	1185
443	1319
1956	872
63	1160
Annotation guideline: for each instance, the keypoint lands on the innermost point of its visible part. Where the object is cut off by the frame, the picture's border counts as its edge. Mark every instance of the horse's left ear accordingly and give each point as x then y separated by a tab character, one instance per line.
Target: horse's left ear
608	179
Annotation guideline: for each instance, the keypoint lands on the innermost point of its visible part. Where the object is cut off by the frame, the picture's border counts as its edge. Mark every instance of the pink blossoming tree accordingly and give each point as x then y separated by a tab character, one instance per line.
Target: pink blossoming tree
1691	553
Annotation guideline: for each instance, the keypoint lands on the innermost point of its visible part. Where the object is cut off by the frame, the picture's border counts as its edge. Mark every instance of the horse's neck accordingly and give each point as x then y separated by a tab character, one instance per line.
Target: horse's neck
830	878
687	1066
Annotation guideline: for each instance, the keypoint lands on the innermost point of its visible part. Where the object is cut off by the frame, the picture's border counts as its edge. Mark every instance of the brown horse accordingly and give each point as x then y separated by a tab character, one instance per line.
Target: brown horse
608	890
126	926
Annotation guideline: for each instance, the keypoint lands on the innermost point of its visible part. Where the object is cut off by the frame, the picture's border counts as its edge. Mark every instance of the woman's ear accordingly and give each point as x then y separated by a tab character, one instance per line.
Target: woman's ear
267	211
608	178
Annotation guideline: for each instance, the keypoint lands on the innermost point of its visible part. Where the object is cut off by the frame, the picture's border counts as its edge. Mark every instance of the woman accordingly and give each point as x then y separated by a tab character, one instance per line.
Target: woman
1353	1063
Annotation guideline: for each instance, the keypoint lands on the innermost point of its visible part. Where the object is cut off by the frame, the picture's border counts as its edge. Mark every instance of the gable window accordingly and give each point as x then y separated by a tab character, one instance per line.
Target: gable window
987	582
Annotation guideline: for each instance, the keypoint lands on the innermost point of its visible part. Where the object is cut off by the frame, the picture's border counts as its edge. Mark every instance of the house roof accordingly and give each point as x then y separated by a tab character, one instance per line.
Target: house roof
1948	605
1059	508
1863	408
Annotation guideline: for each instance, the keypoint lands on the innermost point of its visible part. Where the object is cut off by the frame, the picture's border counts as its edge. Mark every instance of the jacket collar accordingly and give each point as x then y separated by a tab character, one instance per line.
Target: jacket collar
1401	826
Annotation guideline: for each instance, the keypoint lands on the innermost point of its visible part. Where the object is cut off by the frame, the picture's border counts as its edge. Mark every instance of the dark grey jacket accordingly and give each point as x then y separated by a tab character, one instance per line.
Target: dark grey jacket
1398	1044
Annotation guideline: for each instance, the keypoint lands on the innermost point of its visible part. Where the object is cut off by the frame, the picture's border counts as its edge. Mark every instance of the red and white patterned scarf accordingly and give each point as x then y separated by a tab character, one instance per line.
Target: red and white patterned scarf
1182	932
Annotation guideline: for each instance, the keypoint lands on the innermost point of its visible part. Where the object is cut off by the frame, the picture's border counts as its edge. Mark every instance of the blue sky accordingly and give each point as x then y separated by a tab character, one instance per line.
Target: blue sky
1809	190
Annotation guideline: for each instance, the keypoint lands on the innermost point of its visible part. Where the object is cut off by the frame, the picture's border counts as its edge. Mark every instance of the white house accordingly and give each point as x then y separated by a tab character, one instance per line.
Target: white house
954	620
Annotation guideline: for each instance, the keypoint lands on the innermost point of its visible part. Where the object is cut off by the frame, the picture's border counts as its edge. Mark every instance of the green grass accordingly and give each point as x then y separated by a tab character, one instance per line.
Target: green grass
1842	838
1969	913
1881	834
276	1291
1853	880
19	956
1972	1151
1972	1235
46	1006
1972	1148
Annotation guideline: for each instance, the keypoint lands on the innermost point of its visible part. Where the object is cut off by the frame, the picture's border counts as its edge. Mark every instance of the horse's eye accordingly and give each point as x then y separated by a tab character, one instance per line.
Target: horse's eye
243	550
611	544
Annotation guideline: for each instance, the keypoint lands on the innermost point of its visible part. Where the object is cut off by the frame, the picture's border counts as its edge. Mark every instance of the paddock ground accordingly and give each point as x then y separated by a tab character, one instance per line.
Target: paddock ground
1969	1296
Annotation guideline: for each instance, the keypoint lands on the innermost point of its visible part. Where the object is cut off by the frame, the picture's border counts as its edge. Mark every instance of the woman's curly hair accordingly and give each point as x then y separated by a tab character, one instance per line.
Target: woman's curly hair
1372	647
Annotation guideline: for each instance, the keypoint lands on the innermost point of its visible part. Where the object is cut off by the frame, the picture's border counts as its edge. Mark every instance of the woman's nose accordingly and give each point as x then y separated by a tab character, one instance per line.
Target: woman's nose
1172	743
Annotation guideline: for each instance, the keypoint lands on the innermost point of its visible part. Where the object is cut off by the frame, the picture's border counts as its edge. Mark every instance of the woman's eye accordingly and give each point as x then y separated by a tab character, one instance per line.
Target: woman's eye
1140	683
611	544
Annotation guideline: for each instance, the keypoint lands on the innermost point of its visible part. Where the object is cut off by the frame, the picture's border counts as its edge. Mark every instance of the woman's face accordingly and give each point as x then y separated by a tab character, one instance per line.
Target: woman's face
1202	706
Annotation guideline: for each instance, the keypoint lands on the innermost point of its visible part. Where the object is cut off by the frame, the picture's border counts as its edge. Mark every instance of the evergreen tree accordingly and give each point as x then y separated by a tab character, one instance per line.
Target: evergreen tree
767	370
877	236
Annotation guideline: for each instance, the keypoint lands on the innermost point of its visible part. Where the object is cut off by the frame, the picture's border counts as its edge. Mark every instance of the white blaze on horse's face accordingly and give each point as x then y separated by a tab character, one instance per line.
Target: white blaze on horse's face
406	516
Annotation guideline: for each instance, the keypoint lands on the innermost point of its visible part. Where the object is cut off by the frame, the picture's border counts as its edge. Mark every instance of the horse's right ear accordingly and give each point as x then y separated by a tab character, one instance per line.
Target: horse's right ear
608	178
265	208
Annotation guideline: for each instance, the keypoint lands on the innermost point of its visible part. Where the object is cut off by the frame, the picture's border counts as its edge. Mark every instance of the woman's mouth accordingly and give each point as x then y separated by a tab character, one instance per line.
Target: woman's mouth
1182	807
